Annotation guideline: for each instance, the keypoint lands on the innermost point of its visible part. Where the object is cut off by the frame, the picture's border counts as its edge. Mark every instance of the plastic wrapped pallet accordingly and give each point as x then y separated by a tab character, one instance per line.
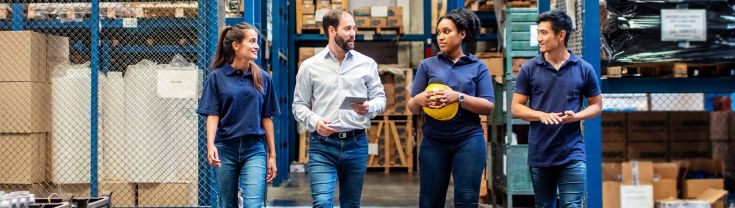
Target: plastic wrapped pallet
632	32
115	145
70	124
179	119
152	156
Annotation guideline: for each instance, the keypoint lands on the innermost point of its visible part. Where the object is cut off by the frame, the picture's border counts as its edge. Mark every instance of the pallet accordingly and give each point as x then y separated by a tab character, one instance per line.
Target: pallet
480	6
520	3
387	127
671	69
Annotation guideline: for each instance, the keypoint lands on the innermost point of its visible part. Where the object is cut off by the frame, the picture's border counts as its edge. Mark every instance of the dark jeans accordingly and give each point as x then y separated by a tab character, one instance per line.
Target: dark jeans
569	179
463	158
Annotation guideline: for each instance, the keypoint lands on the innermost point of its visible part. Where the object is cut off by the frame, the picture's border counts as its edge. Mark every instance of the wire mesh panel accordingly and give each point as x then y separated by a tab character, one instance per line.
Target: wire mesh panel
101	96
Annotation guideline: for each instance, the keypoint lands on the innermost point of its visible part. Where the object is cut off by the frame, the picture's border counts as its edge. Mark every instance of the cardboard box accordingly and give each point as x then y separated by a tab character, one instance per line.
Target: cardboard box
710	198
614	152
322	4
123	193
495	64
379	11
25	107
689	126
691	150
167	194
378	22
336	6
640	170
651	151
362	12
23	56
614	127
665	176
611	171
394	11
23	158
309	20
517	63
719	126
636	196
648	126
694	187
308	9
319	15
394	21
610	194
307	2
362	21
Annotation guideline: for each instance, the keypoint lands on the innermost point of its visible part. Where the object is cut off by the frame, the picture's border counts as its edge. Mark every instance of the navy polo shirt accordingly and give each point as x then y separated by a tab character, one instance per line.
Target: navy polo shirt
231	95
549	90
468	76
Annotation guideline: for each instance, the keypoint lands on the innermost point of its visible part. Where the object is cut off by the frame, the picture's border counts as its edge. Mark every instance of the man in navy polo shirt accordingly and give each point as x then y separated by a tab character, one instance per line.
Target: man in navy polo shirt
555	82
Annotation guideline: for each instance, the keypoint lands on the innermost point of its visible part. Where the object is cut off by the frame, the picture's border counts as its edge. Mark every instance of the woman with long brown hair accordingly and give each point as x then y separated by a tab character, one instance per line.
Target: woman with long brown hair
239	101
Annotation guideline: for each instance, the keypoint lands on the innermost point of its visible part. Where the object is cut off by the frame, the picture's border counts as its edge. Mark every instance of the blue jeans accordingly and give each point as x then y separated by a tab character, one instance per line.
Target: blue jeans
569	179
241	178
332	159
462	158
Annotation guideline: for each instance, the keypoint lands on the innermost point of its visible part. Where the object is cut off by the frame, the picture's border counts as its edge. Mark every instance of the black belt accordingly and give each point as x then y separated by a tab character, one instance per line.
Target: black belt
348	134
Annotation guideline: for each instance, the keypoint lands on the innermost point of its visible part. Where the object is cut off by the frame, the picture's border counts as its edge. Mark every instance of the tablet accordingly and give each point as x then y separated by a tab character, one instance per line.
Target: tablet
347	102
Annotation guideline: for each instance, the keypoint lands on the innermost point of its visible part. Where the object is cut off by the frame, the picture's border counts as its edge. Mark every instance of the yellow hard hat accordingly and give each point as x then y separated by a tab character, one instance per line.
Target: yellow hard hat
447	112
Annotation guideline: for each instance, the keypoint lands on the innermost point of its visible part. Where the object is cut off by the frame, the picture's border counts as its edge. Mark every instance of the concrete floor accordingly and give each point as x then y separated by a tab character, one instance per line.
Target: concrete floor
380	190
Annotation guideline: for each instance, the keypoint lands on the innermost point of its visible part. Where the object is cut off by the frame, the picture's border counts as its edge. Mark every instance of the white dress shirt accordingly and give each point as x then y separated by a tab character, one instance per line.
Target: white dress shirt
322	83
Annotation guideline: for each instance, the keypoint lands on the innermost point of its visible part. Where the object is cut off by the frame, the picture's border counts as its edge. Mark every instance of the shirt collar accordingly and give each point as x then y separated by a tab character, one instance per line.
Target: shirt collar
464	59
540	60
229	70
328	53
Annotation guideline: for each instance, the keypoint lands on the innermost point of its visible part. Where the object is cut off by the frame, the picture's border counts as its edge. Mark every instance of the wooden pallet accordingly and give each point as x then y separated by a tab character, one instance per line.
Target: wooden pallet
520	3
670	69
480	6
386	126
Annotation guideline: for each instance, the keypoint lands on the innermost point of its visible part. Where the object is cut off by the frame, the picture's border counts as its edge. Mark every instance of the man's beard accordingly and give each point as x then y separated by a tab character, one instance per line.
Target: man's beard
342	43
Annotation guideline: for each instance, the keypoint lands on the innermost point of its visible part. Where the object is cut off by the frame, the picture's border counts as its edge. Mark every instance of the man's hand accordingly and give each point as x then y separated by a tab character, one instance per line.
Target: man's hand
323	129
360	108
569	116
551	118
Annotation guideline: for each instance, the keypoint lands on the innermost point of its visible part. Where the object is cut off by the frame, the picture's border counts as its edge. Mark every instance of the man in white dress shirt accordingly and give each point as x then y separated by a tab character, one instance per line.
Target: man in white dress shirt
338	147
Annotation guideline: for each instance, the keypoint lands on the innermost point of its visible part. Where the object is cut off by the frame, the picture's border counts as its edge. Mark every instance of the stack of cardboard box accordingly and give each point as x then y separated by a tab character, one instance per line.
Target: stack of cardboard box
643	184
379	16
25	104
396	81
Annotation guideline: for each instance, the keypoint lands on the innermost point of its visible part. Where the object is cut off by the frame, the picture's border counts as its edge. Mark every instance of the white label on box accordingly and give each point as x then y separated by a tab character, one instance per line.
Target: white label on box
178	84
130	22
683	25
379	11
368	36
319	15
534	35
640	196
372	149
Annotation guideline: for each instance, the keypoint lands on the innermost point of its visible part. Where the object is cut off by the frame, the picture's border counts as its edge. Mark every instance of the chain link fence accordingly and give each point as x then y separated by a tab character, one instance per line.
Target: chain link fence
98	98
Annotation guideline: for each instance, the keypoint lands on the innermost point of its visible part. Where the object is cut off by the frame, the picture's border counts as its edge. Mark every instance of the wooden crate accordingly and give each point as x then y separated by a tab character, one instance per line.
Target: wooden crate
385	133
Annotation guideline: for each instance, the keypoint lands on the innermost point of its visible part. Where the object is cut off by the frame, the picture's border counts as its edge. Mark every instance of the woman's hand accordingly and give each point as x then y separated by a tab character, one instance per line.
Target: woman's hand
213	156
271	169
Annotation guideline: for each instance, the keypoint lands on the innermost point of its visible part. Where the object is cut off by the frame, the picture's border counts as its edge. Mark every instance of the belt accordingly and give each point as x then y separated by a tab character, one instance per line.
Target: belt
348	134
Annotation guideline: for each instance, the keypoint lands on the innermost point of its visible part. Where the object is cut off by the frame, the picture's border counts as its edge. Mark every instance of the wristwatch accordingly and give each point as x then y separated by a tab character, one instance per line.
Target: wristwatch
461	98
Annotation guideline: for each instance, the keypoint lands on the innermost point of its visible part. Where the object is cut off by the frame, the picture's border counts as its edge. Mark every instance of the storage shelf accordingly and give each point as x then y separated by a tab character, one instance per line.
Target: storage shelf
670	85
156	49
57	24
105	23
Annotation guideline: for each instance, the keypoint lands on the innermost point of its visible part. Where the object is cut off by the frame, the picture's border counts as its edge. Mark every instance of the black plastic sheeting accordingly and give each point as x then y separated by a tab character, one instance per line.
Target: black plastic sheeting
632	32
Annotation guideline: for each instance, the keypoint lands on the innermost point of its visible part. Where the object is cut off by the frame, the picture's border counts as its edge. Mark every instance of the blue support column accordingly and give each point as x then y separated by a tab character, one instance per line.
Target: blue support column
292	50
279	63
543	6
453	4
206	46
94	96
16	21
592	127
